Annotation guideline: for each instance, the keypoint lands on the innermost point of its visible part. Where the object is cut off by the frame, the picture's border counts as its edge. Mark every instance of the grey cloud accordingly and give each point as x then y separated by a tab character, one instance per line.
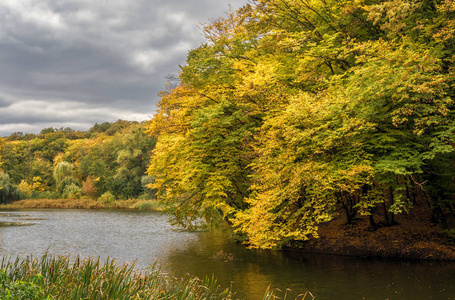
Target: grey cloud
39	112
99	59
4	103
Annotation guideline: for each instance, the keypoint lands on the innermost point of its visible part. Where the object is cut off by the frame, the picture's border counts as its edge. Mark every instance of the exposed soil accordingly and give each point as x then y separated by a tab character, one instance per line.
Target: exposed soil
414	237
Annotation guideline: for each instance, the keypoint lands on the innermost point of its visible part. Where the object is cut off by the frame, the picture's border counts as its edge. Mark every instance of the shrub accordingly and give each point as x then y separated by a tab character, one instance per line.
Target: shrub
72	191
27	189
107	197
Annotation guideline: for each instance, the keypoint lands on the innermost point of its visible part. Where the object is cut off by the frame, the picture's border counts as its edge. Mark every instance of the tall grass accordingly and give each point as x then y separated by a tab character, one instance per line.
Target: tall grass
272	295
61	278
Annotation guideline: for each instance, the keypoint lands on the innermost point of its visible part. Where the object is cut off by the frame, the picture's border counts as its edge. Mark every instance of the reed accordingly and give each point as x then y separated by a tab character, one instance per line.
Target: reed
60	277
277	294
84	204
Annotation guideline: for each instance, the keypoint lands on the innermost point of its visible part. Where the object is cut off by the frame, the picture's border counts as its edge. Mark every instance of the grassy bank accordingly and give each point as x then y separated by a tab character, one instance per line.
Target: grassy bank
64	278
83	204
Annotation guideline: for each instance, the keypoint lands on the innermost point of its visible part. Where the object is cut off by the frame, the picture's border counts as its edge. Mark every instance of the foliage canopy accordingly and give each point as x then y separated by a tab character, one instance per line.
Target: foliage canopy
108	158
296	109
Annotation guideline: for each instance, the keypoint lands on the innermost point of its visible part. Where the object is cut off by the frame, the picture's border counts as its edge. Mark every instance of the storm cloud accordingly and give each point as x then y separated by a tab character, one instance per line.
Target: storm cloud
72	63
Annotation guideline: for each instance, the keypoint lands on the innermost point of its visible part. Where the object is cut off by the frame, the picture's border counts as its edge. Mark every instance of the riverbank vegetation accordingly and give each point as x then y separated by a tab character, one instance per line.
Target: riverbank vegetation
61	277
85	203
64	278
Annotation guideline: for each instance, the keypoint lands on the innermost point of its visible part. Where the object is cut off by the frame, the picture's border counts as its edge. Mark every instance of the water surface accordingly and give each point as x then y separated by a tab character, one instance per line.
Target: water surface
146	237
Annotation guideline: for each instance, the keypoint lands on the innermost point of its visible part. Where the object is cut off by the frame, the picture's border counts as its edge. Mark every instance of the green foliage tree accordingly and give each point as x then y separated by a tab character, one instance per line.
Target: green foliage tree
64	176
8	192
133	154
17	160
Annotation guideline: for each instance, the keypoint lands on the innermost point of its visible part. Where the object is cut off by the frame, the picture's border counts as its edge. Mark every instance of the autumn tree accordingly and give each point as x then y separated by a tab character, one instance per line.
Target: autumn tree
89	188
296	110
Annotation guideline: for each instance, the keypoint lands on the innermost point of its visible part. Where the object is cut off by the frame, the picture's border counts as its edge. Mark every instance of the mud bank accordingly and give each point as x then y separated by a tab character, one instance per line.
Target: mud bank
414	237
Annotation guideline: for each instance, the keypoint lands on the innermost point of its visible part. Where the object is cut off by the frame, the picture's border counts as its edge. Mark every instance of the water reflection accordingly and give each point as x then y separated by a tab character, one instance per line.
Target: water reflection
147	237
328	277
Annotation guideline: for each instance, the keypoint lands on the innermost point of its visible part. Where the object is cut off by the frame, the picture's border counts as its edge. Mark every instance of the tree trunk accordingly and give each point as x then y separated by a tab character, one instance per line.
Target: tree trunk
373	225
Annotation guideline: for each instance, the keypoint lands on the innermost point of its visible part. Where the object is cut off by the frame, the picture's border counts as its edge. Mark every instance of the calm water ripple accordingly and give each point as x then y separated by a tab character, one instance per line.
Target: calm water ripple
146	237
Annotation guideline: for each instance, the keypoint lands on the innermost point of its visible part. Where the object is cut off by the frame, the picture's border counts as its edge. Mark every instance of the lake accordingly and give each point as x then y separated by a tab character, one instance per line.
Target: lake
146	237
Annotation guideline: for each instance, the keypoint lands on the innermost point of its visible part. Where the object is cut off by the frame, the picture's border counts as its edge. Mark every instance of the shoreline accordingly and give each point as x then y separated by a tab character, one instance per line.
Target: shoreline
415	238
324	248
134	204
411	240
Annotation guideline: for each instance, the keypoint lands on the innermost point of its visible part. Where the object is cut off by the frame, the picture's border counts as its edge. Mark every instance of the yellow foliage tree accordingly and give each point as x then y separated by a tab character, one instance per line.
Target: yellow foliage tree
296	110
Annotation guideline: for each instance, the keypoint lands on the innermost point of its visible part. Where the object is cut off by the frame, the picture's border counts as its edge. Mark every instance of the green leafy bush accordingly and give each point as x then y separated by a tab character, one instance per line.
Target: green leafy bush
107	198
72	191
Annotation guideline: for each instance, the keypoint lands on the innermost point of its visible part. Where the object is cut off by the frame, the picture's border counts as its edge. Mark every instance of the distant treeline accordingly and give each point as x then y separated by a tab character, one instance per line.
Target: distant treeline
109	160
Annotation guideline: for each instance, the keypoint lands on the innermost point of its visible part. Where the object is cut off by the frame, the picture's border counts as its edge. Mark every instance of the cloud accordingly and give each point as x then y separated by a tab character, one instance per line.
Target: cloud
82	61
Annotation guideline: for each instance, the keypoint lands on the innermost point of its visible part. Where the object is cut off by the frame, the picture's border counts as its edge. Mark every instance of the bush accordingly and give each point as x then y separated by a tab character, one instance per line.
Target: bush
72	191
149	205
26	189
107	198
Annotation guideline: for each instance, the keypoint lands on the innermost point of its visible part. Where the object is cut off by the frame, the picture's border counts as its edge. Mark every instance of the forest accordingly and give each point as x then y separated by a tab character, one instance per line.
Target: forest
292	113
106	162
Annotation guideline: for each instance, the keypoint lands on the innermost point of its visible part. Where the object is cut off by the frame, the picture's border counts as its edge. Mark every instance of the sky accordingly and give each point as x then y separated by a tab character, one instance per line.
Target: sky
74	63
